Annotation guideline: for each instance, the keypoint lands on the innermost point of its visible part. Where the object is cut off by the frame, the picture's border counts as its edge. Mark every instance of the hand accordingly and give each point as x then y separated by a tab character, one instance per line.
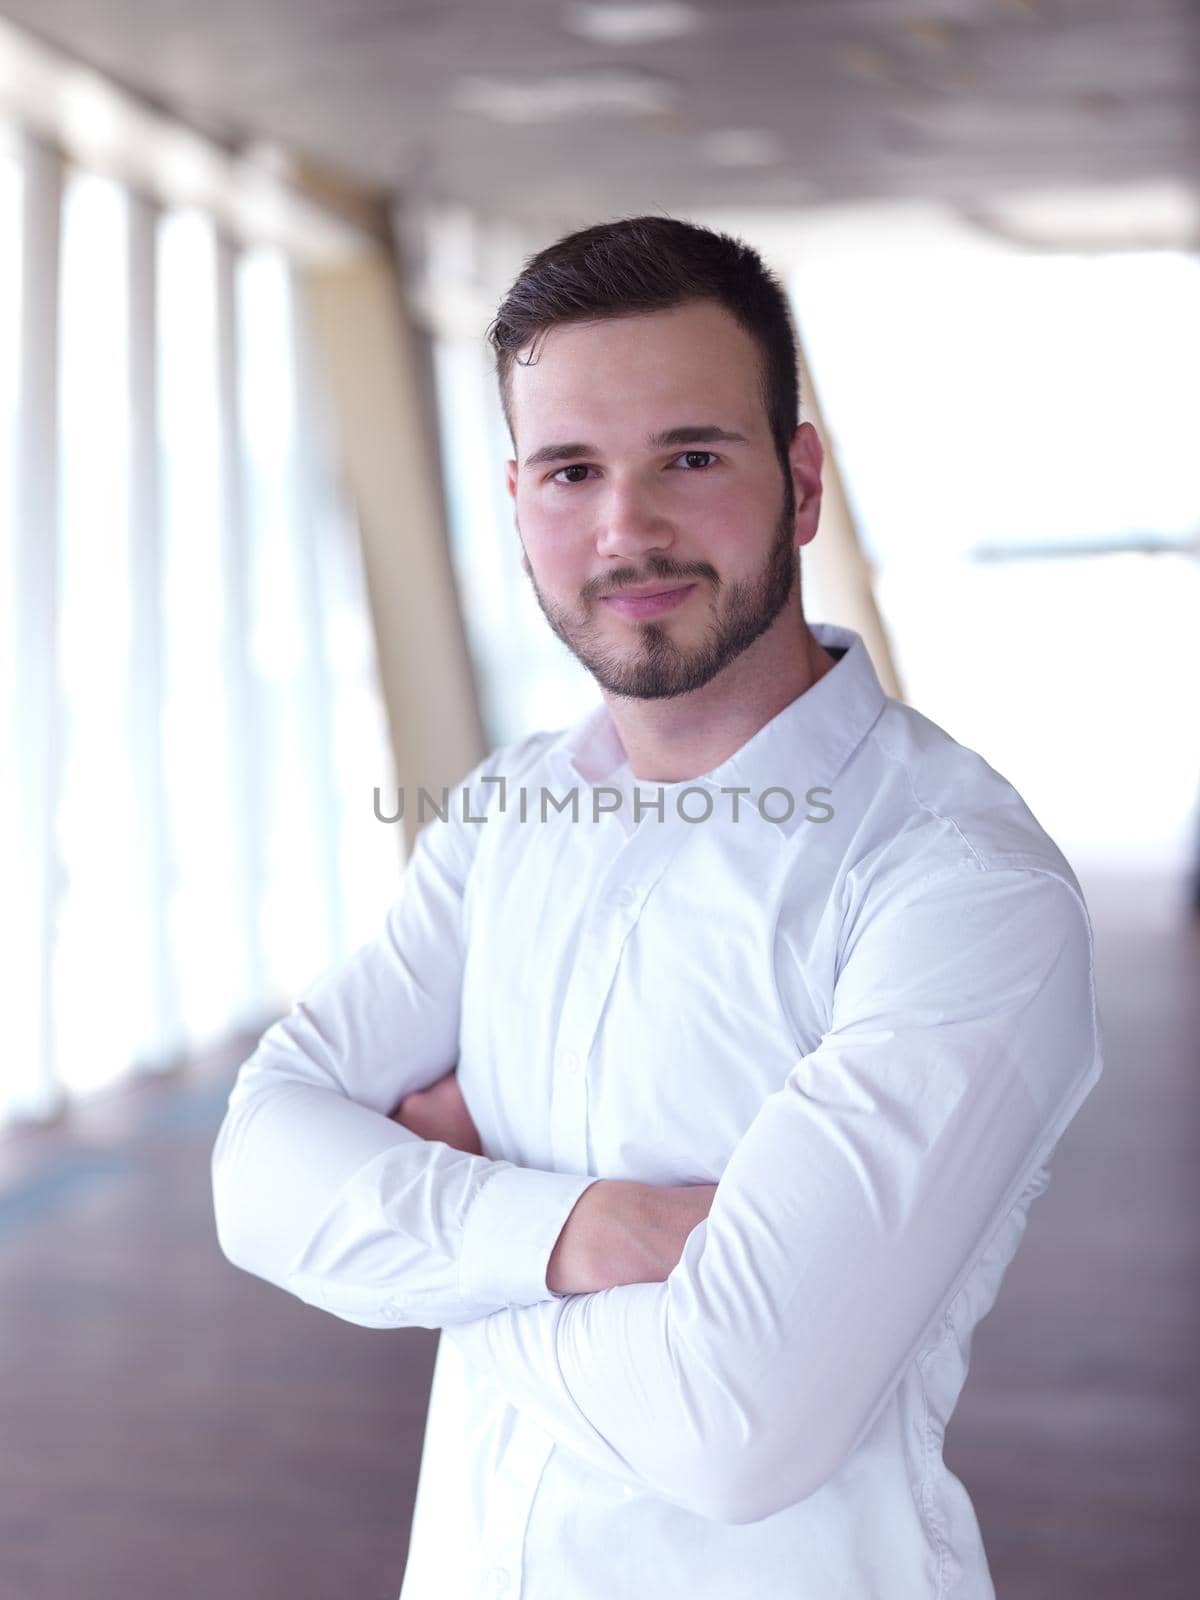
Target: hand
621	1232
440	1112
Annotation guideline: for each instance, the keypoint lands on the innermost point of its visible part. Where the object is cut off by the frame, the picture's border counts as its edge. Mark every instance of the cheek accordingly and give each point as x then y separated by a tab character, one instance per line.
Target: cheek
734	526
556	548
723	531
551	566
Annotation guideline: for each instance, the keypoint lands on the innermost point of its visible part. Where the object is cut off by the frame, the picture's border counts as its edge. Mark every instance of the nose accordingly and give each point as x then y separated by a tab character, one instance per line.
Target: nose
631	525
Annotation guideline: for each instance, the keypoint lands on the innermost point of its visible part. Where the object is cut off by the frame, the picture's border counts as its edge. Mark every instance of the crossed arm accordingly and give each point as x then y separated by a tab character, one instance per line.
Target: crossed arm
726	1350
846	1221
618	1232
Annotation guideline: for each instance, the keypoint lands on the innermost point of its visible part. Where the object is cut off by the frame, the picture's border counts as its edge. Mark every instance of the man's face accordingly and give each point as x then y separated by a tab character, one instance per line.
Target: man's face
658	527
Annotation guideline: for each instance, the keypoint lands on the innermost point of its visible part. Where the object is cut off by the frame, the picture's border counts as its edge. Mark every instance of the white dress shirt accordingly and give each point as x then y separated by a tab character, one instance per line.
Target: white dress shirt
868	1015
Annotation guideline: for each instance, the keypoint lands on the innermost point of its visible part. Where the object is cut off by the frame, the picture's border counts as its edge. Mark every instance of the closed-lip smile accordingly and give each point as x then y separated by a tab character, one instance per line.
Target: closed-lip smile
647	590
648	600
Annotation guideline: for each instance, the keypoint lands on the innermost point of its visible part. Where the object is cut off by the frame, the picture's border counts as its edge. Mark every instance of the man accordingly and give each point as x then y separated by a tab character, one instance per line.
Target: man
702	1103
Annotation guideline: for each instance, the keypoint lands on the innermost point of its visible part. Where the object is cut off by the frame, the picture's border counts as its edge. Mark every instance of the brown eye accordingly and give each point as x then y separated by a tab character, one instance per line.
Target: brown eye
559	476
697	459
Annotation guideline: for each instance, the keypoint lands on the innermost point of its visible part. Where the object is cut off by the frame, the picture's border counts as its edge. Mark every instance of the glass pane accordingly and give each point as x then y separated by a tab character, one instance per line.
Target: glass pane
98	1001
992	403
1074	678
19	1021
368	854
995	398
295	939
202	904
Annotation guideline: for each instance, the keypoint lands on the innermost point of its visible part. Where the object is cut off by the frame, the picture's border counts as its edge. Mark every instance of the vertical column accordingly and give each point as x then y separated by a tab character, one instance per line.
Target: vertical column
311	526
247	830
38	709
146	688
835	556
362	329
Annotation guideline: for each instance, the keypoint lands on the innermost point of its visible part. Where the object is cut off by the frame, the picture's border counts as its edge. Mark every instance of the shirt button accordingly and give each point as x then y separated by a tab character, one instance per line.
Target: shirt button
499	1581
391	1311
570	1061
627	898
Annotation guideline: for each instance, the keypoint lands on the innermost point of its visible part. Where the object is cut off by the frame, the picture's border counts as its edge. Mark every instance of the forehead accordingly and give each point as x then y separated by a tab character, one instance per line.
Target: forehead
639	371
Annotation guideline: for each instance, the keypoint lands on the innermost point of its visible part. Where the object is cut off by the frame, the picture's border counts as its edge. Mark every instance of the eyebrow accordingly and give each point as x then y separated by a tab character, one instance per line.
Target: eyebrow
699	434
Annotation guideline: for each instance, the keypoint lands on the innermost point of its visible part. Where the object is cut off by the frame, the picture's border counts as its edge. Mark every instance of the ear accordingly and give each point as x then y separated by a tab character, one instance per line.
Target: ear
806	457
510	477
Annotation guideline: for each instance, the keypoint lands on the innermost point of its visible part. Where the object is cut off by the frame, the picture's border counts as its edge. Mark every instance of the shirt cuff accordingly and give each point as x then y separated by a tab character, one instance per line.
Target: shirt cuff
511	1229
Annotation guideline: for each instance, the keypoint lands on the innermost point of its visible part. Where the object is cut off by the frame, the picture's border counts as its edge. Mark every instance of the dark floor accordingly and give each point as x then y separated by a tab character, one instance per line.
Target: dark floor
173	1427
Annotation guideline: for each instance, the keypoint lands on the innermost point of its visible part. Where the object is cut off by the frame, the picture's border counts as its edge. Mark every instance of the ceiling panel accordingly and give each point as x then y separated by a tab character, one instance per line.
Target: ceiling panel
848	99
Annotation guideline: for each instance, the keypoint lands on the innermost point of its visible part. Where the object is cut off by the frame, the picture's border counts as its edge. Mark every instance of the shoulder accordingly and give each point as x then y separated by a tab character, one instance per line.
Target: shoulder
943	851
946	807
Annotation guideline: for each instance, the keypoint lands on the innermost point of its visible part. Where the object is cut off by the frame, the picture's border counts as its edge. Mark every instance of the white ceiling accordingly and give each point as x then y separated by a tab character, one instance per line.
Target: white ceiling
824	101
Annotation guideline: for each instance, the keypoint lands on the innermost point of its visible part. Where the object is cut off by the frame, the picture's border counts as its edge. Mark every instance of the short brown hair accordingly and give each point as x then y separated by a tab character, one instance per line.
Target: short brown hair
653	264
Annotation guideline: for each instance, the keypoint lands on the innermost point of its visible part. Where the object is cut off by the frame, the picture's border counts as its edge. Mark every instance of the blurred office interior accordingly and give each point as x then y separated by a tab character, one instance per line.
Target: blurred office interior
258	563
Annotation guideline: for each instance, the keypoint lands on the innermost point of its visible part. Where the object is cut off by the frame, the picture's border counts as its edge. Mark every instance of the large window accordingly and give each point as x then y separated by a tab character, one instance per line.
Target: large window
190	719
20	1022
99	998
1018	435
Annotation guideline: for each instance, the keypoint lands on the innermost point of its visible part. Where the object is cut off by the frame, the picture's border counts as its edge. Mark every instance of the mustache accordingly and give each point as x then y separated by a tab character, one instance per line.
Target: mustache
658	572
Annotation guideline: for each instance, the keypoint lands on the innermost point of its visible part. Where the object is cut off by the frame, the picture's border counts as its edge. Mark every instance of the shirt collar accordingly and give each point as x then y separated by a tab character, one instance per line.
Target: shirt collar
816	733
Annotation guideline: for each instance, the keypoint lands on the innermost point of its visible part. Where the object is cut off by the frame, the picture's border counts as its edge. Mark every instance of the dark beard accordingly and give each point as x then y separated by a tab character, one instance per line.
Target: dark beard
660	669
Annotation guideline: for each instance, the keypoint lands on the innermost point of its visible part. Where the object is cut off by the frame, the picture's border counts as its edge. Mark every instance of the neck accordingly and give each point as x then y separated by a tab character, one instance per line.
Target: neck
671	741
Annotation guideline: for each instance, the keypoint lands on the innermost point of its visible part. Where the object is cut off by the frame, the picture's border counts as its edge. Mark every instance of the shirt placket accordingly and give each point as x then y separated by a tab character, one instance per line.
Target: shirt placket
622	893
510	1498
624	888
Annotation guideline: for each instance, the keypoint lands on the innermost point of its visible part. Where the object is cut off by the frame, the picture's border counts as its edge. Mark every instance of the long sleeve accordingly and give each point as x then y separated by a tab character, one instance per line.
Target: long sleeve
317	1191
963	1038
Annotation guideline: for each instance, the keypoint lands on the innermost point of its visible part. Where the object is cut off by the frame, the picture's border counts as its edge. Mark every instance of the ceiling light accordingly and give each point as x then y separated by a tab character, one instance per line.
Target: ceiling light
1163	215
741	147
615	93
631	24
